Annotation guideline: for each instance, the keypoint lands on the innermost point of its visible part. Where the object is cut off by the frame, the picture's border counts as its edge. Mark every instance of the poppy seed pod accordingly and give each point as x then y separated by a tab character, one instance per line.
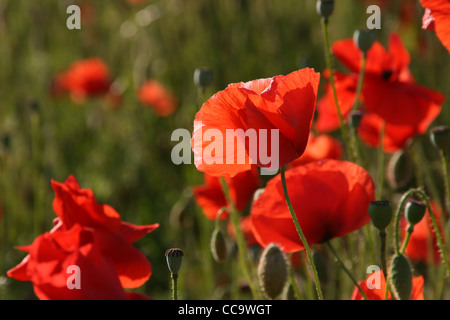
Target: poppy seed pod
381	214
354	118
440	137
203	77
272	271
401	277
218	246
414	211
174	257
364	39
325	7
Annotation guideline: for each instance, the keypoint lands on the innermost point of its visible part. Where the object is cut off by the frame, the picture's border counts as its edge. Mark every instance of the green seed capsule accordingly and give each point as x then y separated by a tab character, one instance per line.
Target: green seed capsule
399	170
354	118
218	246
401	277
381	214
272	271
414	211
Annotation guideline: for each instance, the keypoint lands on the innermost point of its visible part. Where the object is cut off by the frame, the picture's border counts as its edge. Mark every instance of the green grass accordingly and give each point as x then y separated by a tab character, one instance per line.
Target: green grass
123	155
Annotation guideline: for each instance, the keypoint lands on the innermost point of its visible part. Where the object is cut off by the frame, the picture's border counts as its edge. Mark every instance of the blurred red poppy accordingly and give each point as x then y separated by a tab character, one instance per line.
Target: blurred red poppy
389	88
330	198
90	236
423	246
88	77
153	94
319	147
211	198
437	18
377	291
282	105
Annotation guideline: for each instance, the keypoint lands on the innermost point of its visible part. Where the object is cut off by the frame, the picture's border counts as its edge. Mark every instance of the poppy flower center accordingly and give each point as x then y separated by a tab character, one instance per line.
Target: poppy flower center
386	74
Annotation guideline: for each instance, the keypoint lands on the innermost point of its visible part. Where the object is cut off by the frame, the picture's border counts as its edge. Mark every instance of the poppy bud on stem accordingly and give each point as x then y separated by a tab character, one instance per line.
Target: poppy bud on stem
174	257
414	212
381	214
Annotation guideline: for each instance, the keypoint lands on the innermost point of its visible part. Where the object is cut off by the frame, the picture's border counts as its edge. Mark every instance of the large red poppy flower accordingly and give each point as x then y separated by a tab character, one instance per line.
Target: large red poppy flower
389	88
88	77
154	95
260	109
319	147
437	18
211	199
376	291
330	198
92	237
423	245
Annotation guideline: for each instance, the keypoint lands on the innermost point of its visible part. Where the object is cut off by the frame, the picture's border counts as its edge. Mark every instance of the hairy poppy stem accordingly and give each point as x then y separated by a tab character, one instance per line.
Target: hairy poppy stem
175	286
346	270
330	66
440	242
240	240
300	233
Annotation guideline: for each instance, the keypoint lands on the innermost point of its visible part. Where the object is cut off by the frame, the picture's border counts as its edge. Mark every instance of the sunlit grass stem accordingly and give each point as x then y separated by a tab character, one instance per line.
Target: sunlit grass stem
301	235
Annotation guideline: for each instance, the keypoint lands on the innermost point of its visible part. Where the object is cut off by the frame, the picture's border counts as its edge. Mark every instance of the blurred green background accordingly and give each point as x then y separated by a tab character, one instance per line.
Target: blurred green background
124	154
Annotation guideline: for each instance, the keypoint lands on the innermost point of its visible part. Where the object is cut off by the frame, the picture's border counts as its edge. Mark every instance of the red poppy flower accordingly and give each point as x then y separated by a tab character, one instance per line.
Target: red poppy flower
330	198
389	89
92	237
423	246
155	95
319	147
211	198
377	290
437	18
275	114
88	77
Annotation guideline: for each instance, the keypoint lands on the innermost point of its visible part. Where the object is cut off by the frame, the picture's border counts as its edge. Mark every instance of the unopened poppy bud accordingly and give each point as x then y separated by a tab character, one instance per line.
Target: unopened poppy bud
174	257
203	77
440	137
364	39
218	246
381	214
272	271
414	211
321	265
401	277
399	170
354	118
325	7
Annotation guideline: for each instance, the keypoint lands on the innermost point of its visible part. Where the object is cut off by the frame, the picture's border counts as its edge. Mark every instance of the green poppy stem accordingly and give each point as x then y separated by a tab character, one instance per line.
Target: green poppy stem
381	163
301	235
244	255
